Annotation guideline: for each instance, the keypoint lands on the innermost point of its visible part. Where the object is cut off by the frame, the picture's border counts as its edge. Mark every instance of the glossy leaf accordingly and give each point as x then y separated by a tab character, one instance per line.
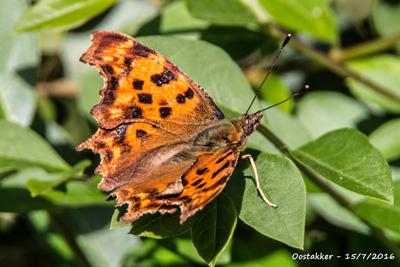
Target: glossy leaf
346	158
386	139
51	14
313	16
214	228
383	70
225	12
21	148
283	185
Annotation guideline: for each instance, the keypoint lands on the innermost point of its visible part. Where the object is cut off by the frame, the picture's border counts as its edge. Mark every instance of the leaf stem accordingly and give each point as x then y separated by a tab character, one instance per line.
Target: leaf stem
323	184
364	49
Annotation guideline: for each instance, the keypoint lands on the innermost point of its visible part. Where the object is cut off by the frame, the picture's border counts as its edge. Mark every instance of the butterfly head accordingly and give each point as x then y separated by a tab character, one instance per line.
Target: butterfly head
251	122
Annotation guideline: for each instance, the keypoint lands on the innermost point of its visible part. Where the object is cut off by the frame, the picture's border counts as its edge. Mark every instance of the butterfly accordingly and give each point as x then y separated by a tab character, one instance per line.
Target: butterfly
164	143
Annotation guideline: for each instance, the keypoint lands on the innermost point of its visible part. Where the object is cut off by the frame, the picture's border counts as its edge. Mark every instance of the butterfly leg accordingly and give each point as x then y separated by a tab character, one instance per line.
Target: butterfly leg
253	164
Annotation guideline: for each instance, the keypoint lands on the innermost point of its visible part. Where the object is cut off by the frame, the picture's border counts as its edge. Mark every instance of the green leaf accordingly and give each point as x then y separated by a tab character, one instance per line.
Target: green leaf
274	91
176	18
386	139
21	147
52	14
379	213
323	111
19	57
385	16
89	227
161	226
346	158
42	223
279	257
183	246
14	196
287	127
283	185
337	215
78	194
313	16
224	12
214	228
45	183
383	70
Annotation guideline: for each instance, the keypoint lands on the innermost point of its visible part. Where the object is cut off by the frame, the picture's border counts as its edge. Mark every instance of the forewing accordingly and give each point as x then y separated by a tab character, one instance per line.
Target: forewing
140	83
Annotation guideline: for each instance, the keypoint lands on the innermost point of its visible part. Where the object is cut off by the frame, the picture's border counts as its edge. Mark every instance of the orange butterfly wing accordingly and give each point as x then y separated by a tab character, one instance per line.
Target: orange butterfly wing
205	180
149	115
142	84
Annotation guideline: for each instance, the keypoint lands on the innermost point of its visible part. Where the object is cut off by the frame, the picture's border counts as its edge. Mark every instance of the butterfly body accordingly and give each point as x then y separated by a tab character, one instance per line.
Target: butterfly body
163	142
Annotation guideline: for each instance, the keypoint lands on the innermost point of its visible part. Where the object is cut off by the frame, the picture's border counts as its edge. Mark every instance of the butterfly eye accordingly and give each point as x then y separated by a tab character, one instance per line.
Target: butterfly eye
251	123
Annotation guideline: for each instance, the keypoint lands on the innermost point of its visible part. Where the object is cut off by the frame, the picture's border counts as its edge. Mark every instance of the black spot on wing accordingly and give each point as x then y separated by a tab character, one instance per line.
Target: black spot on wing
165	112
228	164
138	84
224	157
128	64
109	98
163	78
197	182
108	69
112	83
201	171
189	93
201	185
145	98
133	112
180	98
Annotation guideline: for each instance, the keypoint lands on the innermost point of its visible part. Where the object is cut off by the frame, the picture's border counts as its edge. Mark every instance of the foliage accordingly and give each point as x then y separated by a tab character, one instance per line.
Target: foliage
337	147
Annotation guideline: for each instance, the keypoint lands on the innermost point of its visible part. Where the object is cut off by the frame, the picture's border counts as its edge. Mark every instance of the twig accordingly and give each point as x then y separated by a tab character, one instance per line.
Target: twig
335	66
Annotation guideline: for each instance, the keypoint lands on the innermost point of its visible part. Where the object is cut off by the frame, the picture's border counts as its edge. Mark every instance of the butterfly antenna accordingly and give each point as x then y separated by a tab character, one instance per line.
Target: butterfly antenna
269	71
302	90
